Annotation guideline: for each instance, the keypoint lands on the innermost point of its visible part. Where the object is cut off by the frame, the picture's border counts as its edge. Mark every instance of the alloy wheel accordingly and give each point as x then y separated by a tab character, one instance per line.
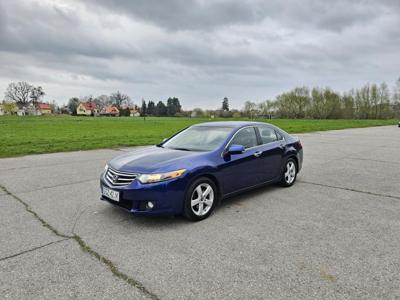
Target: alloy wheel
202	199
290	173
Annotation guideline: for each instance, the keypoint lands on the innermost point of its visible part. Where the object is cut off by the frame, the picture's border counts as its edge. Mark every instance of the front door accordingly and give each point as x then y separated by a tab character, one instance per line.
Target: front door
240	171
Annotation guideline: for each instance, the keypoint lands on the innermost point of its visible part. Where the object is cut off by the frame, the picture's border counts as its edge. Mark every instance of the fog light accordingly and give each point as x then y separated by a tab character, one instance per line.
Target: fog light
150	205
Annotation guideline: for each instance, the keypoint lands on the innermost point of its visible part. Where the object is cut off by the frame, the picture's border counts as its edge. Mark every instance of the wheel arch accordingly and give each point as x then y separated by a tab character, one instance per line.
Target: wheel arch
296	160
213	178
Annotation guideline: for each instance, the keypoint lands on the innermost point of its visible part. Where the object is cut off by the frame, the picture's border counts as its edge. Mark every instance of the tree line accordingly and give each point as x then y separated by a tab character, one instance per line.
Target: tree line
371	101
172	108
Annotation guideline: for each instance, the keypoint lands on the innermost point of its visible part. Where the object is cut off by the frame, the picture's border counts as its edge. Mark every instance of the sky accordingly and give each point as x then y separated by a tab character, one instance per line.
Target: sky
197	50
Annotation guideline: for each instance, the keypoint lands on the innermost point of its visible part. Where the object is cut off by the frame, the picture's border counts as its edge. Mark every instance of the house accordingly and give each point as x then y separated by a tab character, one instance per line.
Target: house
133	112
21	112
86	109
43	109
110	111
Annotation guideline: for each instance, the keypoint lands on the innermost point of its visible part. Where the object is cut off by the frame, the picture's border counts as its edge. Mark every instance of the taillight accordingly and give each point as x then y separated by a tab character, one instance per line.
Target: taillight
299	145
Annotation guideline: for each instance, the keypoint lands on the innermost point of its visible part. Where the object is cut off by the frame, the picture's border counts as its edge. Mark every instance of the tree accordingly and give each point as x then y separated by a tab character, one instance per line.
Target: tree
384	109
267	108
102	100
333	104
143	110
18	92
225	104
348	105
9	107
173	106
151	107
197	113
161	109
55	109
117	98
73	105
294	104
250	109
36	94
396	99
363	102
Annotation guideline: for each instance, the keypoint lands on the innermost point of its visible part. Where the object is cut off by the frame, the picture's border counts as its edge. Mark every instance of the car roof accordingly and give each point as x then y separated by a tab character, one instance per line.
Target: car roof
230	124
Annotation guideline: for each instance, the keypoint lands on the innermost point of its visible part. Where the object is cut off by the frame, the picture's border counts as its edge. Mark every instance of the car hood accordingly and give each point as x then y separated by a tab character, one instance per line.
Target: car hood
156	159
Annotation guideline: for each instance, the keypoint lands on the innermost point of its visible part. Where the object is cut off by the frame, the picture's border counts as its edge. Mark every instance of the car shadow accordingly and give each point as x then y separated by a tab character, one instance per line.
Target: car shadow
240	199
118	213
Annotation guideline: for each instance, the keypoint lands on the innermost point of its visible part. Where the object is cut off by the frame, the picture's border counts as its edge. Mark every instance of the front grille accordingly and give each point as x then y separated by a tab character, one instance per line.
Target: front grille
117	178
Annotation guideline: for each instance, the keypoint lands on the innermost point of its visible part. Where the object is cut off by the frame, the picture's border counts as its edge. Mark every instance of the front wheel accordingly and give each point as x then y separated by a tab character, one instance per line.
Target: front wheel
200	200
289	173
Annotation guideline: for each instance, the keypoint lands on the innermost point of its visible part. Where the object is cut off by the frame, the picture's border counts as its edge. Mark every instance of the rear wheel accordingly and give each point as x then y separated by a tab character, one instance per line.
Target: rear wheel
289	173
200	199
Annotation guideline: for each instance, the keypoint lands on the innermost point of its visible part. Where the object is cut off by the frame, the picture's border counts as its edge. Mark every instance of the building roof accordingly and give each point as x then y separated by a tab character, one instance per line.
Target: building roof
110	110
89	105
43	106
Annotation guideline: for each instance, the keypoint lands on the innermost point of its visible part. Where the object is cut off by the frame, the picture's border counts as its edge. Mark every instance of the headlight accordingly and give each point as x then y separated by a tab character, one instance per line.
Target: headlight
150	178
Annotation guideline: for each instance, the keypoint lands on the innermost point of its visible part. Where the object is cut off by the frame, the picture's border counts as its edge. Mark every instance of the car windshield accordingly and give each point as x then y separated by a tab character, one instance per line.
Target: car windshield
198	138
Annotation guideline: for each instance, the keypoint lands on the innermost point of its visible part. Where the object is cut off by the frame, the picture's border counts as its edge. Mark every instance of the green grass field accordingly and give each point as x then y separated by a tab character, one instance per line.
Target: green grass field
31	135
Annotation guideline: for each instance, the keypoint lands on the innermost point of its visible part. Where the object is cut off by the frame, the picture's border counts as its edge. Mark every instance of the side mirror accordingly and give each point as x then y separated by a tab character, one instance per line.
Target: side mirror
236	149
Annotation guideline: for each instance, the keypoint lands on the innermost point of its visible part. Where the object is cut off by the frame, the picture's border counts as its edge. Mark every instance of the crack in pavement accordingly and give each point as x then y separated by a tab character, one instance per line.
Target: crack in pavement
33	249
86	248
349	189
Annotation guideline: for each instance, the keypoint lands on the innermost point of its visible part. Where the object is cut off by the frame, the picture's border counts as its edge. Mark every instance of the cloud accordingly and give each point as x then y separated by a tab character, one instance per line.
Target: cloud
199	51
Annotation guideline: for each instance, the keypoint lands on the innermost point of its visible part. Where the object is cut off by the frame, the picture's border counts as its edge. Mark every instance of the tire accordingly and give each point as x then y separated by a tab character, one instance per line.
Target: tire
289	173
199	205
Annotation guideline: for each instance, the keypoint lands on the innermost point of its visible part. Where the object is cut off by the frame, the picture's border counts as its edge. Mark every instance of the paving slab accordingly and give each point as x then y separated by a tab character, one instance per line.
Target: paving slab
61	271
42	177
62	206
365	175
56	159
19	230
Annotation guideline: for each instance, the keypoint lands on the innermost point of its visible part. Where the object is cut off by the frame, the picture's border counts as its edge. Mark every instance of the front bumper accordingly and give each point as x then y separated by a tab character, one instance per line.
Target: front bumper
167	197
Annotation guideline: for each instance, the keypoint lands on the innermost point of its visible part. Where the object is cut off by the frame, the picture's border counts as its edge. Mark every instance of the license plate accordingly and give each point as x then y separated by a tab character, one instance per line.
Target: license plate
111	194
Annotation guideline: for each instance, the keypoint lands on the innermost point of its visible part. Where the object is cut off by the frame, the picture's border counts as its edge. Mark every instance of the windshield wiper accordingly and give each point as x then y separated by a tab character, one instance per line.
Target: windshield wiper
183	149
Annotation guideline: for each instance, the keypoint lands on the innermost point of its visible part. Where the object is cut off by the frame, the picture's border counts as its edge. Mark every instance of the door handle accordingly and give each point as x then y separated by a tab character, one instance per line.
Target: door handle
257	153
282	146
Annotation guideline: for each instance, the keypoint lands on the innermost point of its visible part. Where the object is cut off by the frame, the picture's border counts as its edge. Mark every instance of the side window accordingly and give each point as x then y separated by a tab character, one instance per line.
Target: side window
267	134
280	137
246	137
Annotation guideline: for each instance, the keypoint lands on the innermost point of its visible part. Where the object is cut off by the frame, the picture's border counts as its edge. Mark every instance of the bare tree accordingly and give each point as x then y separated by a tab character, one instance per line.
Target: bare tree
18	92
396	99
102	100
250	109
36	94
118	98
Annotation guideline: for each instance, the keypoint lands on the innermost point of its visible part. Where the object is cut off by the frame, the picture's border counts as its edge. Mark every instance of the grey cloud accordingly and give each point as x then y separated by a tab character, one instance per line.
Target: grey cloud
200	50
185	14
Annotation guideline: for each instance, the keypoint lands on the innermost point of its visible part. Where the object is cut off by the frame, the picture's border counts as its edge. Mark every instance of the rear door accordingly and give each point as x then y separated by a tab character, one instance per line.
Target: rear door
240	171
272	150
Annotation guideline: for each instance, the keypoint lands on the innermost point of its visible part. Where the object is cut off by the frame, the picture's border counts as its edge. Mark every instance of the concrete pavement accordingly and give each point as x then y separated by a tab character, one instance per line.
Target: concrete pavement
334	234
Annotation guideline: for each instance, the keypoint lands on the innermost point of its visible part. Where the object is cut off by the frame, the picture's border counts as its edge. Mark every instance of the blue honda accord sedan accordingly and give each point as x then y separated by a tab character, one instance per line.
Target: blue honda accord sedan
192	171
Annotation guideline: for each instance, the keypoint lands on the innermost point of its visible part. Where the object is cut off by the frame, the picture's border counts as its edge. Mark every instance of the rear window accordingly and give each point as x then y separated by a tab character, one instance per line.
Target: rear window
267	134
